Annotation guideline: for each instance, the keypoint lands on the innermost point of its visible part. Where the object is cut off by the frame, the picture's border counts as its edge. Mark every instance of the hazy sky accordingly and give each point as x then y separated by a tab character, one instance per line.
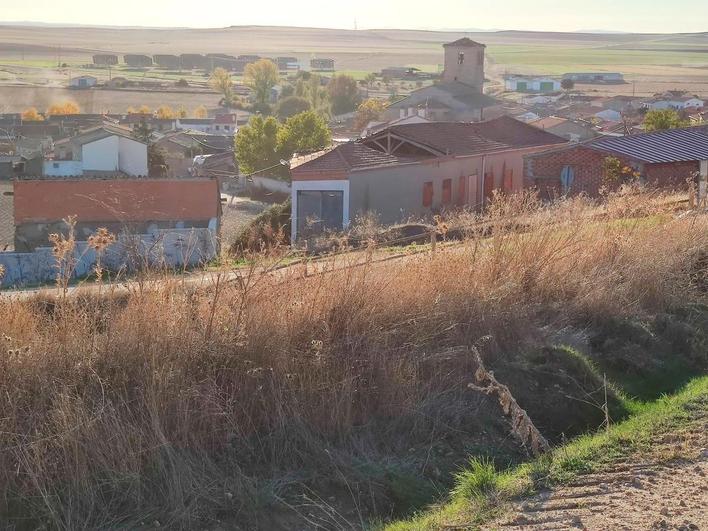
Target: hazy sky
551	15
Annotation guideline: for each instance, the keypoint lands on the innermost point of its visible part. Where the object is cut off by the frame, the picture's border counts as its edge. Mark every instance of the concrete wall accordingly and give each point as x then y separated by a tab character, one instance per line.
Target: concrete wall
396	193
174	248
132	157
62	168
101	155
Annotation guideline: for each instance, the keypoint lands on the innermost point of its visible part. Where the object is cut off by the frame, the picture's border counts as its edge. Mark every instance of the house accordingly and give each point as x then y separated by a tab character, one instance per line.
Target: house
225	124
458	96
540	99
516	83
204	125
193	61
593	78
322	64
220	166
287	63
662	158
677	103
171	62
573	130
99	150
16	165
105	59
623	104
412	170
137	60
122	205
82	82
180	148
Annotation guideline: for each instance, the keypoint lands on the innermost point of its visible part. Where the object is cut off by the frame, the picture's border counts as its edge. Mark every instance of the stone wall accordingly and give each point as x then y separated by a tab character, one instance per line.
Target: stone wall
174	248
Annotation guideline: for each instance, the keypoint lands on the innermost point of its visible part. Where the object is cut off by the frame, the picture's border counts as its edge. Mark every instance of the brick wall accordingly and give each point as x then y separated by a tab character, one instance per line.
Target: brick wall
543	168
543	171
671	175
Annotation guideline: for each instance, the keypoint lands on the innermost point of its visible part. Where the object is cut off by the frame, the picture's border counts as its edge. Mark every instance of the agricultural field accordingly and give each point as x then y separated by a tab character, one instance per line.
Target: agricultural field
651	63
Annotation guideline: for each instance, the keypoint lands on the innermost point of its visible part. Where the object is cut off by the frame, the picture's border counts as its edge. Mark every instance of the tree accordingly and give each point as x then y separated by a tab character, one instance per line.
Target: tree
165	112
220	81
68	107
31	115
201	112
369	111
182	112
291	106
261	76
343	94
157	161
567	84
257	147
309	86
304	132
142	131
660	119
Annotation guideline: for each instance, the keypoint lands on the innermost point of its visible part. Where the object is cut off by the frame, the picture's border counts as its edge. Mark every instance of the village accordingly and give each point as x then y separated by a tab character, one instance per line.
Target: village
318	266
165	175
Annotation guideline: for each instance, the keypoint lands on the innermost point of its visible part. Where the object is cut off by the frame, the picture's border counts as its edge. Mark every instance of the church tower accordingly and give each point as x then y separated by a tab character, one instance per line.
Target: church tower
464	62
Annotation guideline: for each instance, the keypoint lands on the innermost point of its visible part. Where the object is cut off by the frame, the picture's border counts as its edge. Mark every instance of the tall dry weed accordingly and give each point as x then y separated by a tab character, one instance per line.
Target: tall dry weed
160	401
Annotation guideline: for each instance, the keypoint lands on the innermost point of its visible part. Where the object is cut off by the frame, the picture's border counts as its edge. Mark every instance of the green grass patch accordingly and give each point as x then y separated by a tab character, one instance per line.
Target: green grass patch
481	490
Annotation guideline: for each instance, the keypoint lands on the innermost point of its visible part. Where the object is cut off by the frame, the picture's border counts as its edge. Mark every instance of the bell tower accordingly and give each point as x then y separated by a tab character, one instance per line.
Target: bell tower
464	62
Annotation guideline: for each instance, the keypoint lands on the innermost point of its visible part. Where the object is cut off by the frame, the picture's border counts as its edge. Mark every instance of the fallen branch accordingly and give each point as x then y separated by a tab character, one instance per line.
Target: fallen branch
521	425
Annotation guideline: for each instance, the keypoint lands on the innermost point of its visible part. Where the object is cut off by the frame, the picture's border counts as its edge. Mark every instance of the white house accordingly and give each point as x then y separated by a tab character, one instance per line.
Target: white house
105	149
680	103
82	82
531	84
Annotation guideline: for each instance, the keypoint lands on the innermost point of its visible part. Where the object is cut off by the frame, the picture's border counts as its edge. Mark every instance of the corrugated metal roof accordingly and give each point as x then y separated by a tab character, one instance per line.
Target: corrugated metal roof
673	145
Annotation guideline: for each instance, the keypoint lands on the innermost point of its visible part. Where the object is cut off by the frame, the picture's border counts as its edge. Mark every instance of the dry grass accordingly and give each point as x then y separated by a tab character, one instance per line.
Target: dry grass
177	405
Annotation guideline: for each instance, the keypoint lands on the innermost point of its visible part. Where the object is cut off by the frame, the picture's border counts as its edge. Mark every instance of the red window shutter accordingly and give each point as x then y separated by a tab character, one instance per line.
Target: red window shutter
447	191
428	194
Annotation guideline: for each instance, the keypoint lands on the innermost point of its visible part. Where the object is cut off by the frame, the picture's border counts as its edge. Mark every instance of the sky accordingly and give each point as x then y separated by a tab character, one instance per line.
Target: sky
650	16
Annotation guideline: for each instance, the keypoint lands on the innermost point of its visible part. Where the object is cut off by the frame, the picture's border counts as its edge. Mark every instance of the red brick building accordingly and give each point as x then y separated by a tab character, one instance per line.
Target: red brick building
664	159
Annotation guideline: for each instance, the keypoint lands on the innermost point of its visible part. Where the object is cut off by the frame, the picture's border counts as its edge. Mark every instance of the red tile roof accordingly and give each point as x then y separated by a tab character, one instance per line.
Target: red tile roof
350	156
116	200
456	138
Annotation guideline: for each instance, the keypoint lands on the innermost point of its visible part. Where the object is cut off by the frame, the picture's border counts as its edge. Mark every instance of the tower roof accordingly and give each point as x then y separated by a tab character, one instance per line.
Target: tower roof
466	41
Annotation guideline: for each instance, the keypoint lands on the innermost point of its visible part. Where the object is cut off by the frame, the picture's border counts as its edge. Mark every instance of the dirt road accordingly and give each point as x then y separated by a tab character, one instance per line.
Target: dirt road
669	490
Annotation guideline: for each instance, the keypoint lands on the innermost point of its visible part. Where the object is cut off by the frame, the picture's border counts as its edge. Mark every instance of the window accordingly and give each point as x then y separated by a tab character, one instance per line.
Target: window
55	165
461	58
428	194
217	127
447	191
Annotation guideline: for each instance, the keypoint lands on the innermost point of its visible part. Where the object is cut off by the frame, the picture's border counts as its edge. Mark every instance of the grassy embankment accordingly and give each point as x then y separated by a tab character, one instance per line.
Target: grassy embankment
481	492
284	401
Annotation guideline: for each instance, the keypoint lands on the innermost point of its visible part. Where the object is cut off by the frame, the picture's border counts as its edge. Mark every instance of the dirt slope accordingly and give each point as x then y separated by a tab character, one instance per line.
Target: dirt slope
637	494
